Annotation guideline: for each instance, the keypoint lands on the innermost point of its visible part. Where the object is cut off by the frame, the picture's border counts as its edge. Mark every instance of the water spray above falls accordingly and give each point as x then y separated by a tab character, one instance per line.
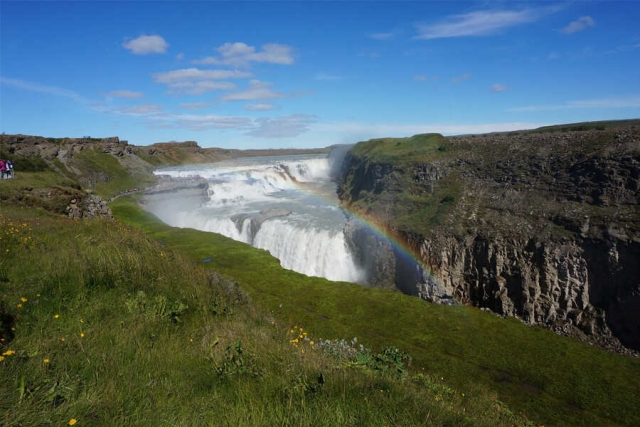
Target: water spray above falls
286	205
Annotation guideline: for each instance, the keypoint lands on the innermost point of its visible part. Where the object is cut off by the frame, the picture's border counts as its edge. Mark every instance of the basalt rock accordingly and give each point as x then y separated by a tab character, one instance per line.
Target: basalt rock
544	227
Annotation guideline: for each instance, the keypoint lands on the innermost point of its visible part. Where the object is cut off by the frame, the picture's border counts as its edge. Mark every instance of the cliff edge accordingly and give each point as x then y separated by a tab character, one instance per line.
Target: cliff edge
540	225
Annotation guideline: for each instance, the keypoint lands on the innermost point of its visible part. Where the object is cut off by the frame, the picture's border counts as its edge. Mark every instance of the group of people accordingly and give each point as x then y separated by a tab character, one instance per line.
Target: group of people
6	169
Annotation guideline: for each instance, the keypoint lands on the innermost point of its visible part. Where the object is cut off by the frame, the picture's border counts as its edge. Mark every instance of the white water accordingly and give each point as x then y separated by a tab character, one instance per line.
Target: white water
286	205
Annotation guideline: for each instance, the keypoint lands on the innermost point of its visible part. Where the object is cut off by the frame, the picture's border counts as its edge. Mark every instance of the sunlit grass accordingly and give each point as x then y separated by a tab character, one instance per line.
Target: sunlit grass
104	326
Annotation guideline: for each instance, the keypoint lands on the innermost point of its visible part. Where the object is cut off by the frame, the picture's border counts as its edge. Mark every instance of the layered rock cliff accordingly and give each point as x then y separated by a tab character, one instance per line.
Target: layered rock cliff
544	227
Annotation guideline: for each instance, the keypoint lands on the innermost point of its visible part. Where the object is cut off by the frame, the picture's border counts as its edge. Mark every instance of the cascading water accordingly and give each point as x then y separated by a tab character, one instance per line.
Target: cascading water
286	205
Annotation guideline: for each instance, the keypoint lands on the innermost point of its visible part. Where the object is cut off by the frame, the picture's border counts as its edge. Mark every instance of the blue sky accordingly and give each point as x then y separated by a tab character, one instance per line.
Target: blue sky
311	74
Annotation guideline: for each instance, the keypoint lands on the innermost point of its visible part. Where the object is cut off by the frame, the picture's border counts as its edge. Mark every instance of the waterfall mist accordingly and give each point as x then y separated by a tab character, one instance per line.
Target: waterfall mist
286	205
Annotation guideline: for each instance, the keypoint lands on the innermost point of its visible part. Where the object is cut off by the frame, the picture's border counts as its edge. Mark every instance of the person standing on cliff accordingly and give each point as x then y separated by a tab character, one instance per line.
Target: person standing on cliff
9	167
2	169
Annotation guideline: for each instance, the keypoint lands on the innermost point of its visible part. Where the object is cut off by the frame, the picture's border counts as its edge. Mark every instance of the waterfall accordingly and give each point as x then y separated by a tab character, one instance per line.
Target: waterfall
286	205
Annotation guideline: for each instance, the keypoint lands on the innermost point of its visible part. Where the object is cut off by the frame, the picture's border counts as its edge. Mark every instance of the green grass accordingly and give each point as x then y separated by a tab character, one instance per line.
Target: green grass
108	176
552	379
106	326
402	151
164	326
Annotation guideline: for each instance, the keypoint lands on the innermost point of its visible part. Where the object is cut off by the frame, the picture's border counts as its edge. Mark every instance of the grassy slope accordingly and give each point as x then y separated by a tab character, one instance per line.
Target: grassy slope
553	379
136	366
106	326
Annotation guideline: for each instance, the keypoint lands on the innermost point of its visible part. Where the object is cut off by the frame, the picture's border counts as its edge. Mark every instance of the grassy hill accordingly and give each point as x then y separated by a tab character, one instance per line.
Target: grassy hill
133	322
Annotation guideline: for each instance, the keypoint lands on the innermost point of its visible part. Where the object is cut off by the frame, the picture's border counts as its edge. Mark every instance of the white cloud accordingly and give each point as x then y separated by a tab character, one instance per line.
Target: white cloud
458	79
632	102
241	55
480	23
180	56
194	81
145	45
125	94
580	24
381	36
194	105
499	88
198	88
282	127
257	90
138	110
260	107
197	74
195	122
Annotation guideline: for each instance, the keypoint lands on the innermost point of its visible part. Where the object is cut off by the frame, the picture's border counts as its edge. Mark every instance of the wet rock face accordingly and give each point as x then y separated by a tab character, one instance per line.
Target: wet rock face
91	206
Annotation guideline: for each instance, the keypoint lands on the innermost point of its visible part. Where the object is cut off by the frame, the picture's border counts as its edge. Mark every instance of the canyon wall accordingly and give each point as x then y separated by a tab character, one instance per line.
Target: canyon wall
544	227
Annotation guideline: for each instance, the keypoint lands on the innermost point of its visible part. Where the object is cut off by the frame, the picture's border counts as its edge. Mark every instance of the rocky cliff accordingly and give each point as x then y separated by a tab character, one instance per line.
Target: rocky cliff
542	226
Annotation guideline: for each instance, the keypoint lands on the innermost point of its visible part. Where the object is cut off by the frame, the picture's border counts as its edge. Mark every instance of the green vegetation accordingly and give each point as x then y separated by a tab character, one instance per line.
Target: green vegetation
106	174
133	322
584	126
402	151
105	326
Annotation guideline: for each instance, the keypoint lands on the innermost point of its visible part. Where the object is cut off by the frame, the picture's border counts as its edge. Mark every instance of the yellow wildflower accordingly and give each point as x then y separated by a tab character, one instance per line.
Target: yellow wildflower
18	305
45	361
82	335
9	353
72	421
56	316
23	299
62	339
1	358
311	342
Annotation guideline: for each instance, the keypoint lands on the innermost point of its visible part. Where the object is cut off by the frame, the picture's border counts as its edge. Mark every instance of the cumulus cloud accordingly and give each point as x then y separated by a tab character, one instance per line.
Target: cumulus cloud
257	90
145	45
194	81
499	88
198	88
458	79
260	107
197	74
282	127
631	102
239	54
479	23
580	24
125	94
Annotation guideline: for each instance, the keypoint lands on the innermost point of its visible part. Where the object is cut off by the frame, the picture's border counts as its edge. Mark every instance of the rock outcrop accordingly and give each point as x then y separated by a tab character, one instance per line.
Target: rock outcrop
50	148
89	207
544	227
